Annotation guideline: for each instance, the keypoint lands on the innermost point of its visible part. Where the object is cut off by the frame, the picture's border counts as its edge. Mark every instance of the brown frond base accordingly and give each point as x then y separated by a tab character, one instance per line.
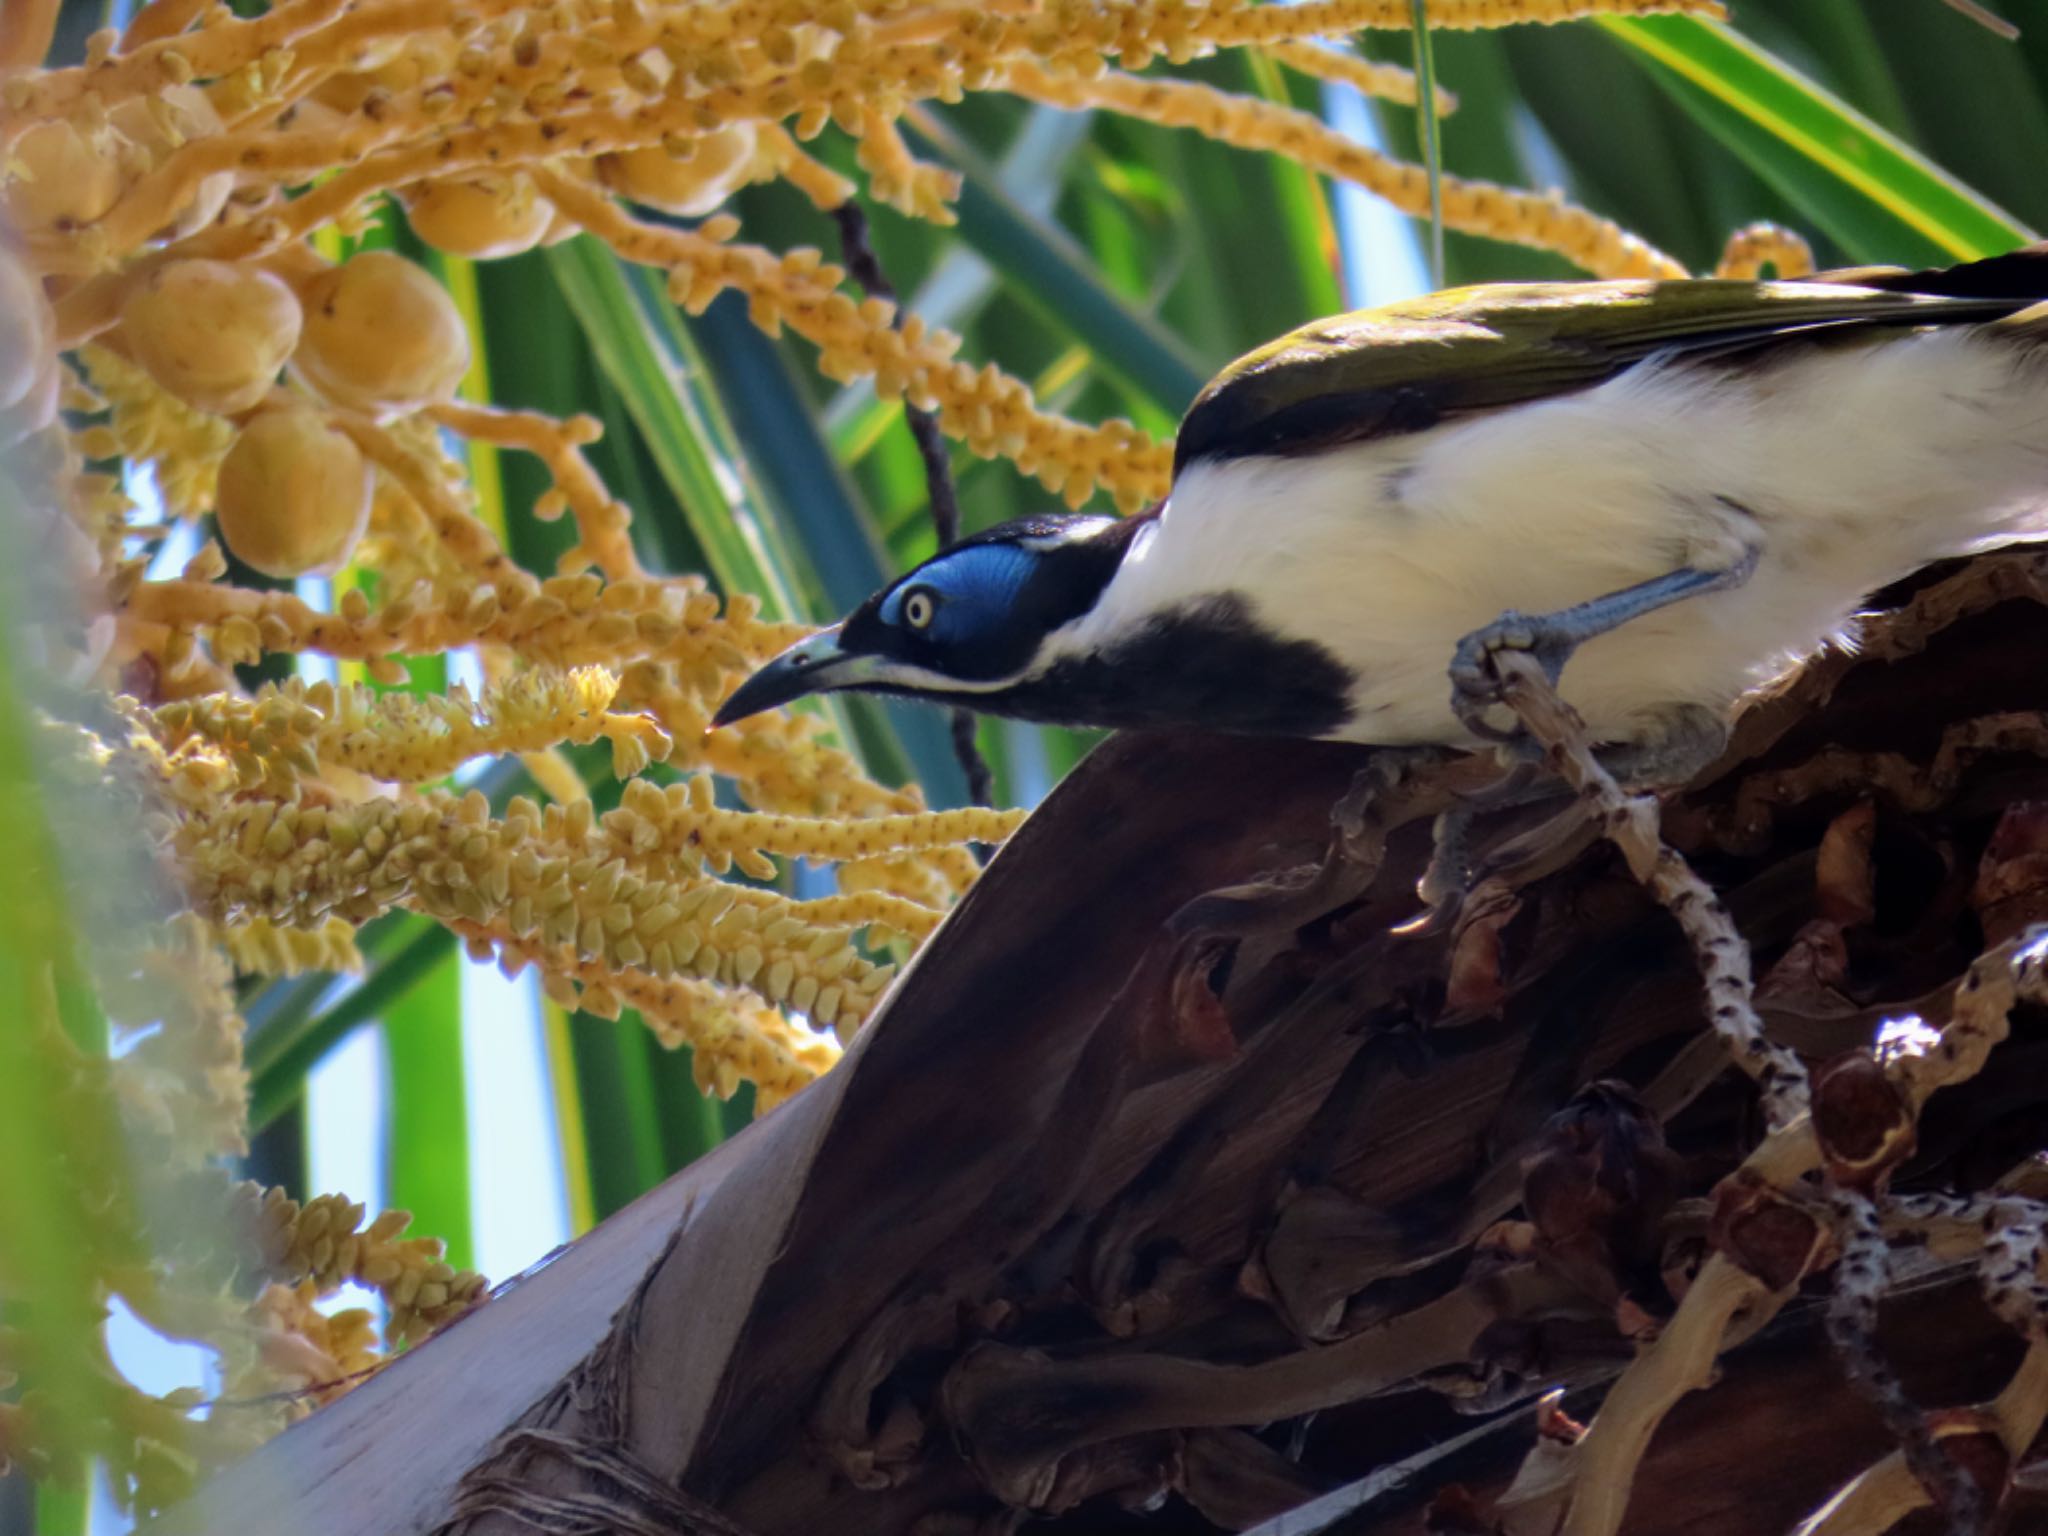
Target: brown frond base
1186	1181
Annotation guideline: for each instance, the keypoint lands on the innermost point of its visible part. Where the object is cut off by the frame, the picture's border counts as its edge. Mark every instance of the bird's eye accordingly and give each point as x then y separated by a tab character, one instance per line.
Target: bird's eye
918	607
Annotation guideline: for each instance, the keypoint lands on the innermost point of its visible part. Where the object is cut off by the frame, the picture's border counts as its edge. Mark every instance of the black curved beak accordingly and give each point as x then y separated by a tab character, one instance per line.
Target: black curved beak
816	665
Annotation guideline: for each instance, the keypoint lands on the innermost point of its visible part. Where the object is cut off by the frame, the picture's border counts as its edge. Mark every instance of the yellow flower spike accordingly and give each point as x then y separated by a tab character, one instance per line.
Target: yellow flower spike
1764	244
174	988
289	817
410	142
860	909
601	521
1598	245
898	178
734	1037
1369	77
208	565
825	187
400	737
260	859
1114	455
301	1347
262	948
711	829
775	759
153	426
319	1246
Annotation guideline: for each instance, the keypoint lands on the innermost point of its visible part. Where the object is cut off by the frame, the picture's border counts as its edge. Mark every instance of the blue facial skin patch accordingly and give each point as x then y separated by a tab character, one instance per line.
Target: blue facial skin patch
993	599
975	589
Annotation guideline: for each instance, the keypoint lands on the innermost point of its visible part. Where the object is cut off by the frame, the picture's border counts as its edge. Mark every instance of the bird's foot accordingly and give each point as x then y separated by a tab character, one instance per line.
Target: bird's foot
1671	753
1476	686
1387	773
1360	822
1550	638
1449	876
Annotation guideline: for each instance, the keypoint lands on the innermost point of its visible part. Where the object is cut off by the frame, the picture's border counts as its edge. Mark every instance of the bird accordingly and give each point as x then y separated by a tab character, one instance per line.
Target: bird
1686	487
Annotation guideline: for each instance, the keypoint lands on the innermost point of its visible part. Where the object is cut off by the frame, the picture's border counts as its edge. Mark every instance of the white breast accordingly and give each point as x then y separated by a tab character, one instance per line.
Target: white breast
1858	465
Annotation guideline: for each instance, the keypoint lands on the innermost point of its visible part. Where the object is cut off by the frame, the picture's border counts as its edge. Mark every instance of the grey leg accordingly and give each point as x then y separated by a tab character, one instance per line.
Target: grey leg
1552	637
1449	876
1690	737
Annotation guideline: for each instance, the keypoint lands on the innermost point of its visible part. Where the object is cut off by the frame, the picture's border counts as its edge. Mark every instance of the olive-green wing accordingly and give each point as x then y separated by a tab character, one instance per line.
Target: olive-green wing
1381	372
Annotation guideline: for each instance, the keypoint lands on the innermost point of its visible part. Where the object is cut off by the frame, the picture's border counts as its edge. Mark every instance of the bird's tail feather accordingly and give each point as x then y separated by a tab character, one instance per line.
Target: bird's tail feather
2020	274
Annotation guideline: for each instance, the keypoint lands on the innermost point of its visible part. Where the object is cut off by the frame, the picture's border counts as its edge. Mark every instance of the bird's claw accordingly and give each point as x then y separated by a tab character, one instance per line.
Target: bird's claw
1476	683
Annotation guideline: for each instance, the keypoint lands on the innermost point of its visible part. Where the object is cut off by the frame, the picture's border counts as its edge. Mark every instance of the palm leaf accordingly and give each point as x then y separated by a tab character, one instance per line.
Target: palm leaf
1045	266
743	553
621	1112
401	950
1877	196
776	434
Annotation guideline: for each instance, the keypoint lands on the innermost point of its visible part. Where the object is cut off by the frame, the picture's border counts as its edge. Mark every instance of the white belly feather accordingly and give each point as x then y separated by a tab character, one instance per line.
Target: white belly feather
1858	466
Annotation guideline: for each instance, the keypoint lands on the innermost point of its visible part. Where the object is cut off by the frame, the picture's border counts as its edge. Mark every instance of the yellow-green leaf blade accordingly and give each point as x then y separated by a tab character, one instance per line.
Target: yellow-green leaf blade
1814	146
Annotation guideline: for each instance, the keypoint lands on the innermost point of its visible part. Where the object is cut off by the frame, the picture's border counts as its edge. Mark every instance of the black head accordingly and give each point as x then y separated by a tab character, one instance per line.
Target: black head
971	620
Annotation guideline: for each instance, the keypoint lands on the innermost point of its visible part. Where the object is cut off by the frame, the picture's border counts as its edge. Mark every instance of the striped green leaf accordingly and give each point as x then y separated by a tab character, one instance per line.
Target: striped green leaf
1877	196
48	1150
624	1153
1047	267
426	1125
744	554
809	493
400	951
